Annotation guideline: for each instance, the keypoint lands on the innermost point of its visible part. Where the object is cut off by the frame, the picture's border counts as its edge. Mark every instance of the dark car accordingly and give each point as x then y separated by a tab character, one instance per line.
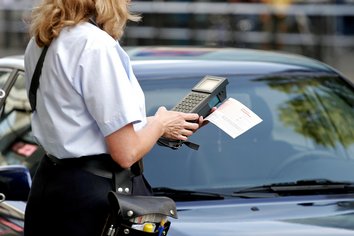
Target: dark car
292	174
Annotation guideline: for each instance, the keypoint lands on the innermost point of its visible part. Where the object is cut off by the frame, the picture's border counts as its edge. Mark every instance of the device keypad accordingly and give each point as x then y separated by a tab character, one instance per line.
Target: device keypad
190	102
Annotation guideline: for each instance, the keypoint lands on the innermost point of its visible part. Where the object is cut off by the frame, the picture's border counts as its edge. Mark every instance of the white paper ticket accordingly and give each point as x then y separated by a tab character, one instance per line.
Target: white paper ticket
234	118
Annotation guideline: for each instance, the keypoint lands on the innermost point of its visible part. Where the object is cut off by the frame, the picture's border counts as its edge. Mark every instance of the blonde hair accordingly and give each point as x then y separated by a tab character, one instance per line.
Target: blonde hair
51	16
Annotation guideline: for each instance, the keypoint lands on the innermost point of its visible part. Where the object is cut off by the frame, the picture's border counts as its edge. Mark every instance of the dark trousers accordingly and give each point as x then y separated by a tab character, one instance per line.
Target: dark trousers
69	201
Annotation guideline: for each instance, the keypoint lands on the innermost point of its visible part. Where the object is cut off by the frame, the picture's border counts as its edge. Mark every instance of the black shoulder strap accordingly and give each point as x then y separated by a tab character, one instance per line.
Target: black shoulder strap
32	95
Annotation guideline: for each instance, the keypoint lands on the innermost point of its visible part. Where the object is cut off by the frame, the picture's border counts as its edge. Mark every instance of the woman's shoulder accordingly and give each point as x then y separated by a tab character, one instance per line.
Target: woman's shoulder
87	35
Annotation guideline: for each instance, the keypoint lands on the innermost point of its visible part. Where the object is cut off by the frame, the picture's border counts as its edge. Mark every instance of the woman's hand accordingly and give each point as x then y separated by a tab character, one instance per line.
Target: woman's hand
203	122
177	125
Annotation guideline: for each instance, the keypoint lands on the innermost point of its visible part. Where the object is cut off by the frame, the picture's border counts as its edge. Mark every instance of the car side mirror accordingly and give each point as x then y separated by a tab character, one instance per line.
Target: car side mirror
15	183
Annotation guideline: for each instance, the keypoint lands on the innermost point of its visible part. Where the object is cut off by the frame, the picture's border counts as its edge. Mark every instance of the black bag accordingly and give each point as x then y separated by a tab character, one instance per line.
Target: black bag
135	215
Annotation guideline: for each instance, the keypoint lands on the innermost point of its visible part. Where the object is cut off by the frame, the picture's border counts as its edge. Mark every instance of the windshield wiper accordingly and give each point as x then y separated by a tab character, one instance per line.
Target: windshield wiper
300	187
185	195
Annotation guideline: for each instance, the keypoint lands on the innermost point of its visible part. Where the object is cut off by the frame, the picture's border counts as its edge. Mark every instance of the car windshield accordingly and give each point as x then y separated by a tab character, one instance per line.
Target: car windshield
306	133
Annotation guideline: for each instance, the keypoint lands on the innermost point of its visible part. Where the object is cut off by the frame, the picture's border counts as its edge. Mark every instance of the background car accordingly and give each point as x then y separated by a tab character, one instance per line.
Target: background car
292	174
17	145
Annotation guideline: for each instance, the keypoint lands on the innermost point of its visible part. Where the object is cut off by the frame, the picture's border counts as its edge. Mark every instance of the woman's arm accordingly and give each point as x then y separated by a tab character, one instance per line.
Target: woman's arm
127	146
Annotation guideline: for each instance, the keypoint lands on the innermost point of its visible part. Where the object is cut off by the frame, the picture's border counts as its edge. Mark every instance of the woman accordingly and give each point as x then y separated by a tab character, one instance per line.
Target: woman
89	109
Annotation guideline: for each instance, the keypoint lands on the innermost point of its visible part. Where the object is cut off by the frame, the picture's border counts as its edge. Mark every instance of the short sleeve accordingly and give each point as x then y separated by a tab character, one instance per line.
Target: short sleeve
111	97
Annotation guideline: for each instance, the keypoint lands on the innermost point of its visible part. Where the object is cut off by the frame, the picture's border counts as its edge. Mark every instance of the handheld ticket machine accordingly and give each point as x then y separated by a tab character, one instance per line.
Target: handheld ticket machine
205	95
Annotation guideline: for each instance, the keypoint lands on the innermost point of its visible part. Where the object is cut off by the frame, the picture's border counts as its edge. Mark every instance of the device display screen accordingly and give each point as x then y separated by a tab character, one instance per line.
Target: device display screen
208	84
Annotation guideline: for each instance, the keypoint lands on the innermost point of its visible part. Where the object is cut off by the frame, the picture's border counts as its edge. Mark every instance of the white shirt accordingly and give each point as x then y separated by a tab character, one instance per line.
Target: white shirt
87	91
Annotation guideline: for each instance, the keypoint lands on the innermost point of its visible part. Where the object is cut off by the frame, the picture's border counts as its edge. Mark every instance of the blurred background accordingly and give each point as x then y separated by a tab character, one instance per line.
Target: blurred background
321	29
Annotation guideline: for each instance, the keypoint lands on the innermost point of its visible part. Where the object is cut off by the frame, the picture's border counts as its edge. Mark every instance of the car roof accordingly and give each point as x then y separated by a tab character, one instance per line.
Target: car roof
15	61
155	61
221	54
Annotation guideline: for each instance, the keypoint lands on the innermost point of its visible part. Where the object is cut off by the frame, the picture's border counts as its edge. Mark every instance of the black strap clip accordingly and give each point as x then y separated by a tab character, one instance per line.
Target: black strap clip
175	144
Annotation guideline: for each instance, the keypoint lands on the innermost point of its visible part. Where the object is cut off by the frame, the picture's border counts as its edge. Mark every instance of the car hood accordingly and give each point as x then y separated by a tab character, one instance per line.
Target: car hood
287	216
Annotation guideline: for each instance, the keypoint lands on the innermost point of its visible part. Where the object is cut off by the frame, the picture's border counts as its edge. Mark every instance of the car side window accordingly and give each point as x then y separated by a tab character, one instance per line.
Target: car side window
16	114
17	98
4	75
15	120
